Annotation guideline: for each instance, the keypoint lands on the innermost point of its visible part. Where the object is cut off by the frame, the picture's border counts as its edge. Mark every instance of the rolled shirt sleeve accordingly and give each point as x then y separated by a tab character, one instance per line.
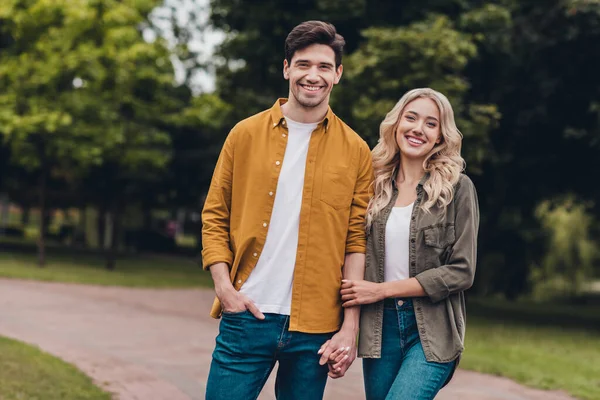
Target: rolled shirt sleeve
458	274
356	238
217	209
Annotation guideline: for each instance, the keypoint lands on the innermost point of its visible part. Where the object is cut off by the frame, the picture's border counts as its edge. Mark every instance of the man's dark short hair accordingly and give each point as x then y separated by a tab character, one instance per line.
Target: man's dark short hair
314	32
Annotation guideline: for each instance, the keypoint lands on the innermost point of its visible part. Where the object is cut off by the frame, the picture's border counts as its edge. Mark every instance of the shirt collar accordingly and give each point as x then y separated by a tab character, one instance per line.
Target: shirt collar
277	116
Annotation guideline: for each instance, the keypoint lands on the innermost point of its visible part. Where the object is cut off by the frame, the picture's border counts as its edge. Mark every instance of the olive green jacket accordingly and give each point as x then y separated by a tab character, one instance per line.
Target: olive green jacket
442	257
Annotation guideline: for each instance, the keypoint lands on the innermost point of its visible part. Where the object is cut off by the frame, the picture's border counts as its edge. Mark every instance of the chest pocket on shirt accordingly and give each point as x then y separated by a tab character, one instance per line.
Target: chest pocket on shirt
337	186
438	244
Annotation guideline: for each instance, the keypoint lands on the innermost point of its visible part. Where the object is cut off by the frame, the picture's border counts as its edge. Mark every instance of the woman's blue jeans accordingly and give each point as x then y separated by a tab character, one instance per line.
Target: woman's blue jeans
402	372
246	352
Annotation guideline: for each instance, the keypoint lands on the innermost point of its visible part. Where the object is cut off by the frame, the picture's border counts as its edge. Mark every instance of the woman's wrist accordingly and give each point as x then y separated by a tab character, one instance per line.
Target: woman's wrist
385	290
392	289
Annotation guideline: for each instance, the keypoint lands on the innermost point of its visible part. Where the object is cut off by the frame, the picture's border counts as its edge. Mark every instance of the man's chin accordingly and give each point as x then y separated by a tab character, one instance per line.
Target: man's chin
310	103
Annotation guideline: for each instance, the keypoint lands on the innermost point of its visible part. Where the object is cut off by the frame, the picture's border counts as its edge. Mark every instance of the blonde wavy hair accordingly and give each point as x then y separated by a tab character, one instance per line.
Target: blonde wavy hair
443	163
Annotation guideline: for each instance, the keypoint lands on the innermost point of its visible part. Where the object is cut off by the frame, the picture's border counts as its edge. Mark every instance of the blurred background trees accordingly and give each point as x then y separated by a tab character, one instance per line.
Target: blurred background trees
93	118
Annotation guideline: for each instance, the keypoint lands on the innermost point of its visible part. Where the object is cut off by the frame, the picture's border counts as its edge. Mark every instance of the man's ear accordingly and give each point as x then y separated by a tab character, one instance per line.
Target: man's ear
286	70
338	74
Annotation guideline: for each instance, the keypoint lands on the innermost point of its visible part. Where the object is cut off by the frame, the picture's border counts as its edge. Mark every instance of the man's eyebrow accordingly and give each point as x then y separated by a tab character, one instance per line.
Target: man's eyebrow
308	62
417	114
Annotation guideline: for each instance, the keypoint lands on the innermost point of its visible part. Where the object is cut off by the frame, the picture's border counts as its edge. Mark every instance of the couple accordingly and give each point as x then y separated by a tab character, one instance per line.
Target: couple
298	206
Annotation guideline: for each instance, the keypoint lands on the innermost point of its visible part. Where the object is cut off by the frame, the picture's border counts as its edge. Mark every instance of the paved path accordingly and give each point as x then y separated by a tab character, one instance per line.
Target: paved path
156	344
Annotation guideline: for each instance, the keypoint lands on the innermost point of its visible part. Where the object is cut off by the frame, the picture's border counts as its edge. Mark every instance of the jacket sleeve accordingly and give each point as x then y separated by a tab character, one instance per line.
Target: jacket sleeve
217	208
356	237
458	274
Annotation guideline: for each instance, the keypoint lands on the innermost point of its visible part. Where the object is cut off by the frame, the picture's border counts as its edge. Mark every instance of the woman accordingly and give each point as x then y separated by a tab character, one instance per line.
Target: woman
422	227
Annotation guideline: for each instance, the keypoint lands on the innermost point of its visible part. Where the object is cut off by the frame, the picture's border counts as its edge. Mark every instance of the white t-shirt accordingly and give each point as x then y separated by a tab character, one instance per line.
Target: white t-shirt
270	283
397	234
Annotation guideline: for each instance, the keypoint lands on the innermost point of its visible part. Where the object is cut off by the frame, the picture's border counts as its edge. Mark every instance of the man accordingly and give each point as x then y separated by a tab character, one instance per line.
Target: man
283	223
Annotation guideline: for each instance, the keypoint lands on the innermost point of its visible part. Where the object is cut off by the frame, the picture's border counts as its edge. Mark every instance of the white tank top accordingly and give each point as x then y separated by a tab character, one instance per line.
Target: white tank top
397	233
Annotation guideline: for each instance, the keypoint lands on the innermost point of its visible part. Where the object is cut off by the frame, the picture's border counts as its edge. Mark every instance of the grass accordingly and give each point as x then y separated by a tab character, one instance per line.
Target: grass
142	271
28	373
543	352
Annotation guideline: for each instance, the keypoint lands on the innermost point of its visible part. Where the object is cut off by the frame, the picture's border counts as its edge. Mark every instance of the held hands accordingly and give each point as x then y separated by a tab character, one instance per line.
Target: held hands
339	353
357	292
233	301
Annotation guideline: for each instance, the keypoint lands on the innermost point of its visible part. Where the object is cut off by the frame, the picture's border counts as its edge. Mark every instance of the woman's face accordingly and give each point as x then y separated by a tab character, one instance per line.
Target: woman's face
418	130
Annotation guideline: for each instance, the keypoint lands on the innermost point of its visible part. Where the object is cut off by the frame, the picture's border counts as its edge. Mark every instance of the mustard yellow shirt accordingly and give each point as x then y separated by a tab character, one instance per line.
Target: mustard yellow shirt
238	207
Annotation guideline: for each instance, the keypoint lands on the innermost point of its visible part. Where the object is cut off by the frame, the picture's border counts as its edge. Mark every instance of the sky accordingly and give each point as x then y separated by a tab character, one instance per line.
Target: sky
203	41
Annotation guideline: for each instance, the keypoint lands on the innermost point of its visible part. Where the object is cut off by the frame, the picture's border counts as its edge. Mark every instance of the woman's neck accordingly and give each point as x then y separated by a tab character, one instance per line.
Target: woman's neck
410	171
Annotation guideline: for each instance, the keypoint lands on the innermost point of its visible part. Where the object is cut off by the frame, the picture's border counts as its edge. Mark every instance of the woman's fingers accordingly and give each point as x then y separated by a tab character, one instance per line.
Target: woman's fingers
343	355
338	365
339	353
350	303
346	284
322	349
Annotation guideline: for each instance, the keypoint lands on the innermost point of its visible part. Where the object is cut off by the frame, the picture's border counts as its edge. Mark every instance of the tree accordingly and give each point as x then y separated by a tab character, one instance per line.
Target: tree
82	89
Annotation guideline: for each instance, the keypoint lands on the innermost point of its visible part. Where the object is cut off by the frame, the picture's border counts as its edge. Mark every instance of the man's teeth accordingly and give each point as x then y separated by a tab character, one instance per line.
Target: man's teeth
416	141
311	88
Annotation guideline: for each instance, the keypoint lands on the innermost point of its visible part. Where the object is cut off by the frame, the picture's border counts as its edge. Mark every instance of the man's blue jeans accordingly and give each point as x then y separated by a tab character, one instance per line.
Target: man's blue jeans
402	372
246	352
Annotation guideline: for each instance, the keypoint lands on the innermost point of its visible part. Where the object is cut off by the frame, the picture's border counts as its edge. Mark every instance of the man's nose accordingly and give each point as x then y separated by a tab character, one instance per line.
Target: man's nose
313	75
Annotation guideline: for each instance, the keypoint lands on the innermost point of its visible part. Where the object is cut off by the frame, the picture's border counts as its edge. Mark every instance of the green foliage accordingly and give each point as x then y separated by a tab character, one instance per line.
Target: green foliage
391	61
80	83
570	253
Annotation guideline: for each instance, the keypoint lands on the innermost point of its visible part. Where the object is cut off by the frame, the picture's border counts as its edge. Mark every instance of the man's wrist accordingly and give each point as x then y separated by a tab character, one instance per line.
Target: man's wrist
351	325
223	289
350	328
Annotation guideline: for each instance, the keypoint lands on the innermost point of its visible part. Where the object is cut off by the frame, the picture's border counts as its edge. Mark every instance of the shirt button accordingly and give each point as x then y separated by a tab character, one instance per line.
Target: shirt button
239	281
270	193
400	302
283	134
275	124
255	254
265	224
277	162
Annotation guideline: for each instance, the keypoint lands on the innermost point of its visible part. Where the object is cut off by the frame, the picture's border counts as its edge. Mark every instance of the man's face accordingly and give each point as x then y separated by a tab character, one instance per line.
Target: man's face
312	74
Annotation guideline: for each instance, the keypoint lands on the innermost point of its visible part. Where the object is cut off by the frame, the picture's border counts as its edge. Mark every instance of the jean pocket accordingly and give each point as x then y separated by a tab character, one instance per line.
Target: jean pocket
234	314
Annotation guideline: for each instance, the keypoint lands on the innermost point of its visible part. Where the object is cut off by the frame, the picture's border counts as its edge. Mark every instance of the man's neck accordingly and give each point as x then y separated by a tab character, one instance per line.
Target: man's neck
304	115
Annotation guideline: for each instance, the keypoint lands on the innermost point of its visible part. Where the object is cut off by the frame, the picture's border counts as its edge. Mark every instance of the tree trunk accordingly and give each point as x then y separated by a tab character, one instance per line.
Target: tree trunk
81	230
25	214
41	242
101	226
147	211
111	250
